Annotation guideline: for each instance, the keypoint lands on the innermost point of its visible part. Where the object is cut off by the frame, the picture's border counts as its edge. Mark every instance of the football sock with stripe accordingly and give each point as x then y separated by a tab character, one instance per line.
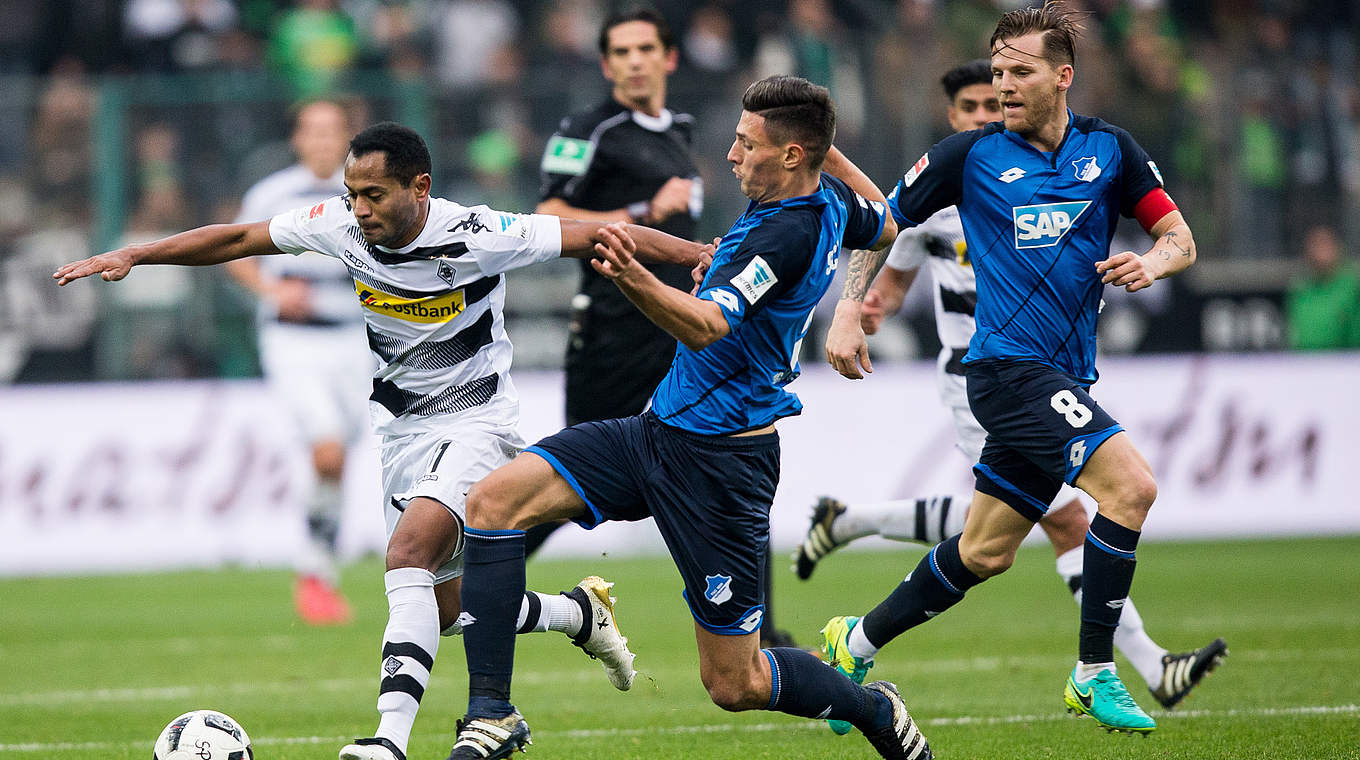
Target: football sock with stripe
410	643
323	528
928	520
549	612
1130	638
1108	560
803	685
493	592
938	583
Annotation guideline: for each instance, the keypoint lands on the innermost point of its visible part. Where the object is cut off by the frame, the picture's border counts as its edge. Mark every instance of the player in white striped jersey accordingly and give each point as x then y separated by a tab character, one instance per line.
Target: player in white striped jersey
311	342
427	273
939	244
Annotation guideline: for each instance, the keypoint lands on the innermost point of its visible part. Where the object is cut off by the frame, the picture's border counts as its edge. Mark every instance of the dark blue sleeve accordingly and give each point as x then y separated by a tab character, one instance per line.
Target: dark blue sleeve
761	266
1137	172
934	182
864	218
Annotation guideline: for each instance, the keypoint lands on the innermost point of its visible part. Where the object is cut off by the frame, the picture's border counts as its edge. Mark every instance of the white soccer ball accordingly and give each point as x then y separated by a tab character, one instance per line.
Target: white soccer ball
203	735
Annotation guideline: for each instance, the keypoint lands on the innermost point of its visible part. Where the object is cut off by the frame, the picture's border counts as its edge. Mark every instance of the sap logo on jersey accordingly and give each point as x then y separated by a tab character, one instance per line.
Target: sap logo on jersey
719	588
1045	224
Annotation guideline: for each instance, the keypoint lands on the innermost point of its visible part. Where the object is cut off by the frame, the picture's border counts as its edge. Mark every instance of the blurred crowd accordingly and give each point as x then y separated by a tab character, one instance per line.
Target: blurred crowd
128	119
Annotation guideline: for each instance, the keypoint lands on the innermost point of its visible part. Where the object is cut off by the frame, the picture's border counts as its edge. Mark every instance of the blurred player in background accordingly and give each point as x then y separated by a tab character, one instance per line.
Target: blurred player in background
1037	196
428	274
313	348
628	159
703	461
939	243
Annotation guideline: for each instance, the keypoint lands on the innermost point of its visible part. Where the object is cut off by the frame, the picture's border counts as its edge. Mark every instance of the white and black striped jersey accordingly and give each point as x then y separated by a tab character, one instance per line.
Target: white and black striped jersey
433	307
939	241
332	290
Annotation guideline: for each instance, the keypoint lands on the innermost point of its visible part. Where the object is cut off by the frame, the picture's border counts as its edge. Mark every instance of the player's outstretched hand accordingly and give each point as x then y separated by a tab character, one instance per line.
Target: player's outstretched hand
111	266
1127	270
614	251
846	348
871	315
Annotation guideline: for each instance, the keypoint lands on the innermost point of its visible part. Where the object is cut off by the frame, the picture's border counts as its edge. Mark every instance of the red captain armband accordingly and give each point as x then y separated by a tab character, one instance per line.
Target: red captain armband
1150	210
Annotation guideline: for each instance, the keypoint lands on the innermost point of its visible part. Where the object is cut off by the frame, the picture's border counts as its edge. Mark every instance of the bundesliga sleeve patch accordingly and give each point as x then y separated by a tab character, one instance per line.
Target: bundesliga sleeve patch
755	280
915	170
567	155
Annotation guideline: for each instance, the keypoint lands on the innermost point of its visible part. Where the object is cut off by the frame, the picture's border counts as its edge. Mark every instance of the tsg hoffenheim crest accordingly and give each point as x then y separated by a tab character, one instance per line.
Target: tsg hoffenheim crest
1087	168
719	588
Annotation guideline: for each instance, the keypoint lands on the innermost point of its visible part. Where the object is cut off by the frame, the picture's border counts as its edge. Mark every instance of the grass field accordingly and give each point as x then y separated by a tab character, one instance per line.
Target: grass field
94	667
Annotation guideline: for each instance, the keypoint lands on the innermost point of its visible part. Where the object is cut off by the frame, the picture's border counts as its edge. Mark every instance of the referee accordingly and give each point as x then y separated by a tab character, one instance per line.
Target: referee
627	159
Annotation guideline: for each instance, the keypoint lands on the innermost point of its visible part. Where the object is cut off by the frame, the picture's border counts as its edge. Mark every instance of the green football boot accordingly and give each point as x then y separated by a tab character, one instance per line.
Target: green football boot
1105	699
835	645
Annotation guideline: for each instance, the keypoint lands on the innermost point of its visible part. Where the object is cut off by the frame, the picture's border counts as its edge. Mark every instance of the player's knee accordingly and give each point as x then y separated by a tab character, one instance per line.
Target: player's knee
1136	493
986	560
407	550
733	692
488	507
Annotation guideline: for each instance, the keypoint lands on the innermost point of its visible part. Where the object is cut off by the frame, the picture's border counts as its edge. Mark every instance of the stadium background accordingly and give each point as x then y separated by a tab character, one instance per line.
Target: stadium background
123	121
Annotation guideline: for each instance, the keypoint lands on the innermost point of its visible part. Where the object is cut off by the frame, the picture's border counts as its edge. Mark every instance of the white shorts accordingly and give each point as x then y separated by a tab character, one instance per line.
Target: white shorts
971	435
323	375
442	464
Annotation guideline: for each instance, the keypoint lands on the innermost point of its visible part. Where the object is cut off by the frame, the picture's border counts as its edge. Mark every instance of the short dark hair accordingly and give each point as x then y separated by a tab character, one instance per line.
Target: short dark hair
637	13
795	110
977	71
1059	26
407	155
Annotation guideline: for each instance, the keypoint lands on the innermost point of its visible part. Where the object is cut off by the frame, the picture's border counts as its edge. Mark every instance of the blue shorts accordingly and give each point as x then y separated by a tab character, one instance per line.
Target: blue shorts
710	496
1042	427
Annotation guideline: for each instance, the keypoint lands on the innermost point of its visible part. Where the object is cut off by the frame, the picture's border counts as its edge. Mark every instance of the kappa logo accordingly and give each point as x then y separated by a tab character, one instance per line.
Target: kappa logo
1011	174
1044	224
1087	169
915	170
472	223
447	273
719	588
755	280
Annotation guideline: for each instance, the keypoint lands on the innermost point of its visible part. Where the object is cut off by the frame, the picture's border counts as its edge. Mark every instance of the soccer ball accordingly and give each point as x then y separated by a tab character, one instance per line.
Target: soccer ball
203	735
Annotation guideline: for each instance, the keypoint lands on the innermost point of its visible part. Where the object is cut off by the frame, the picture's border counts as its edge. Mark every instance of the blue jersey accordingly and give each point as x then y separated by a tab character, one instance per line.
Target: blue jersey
1035	223
768	273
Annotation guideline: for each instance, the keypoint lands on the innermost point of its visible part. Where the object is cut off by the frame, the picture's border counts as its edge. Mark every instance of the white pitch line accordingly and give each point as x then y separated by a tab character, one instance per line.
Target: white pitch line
716	728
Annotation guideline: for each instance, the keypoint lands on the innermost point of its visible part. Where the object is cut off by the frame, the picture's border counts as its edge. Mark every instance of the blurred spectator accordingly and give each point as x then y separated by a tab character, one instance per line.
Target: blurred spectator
470	40
1323	303
61	152
178	35
313	45
811	44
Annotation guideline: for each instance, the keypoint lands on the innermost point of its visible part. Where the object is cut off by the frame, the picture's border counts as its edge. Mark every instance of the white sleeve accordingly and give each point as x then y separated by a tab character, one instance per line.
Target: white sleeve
514	240
908	250
310	228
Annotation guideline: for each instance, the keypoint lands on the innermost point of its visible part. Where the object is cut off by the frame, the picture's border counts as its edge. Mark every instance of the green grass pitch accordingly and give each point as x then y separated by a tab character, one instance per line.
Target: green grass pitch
94	667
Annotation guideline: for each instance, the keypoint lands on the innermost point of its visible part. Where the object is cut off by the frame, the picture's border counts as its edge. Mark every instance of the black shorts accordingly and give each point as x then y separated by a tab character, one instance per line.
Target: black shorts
710	496
1042	427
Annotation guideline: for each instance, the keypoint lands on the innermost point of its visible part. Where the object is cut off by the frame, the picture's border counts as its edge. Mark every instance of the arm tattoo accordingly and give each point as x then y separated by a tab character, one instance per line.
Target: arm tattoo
1165	254
1171	238
860	271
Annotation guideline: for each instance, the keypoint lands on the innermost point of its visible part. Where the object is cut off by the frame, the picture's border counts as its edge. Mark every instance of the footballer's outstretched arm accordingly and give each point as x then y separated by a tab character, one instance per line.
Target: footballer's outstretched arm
652	246
1173	252
201	246
695	322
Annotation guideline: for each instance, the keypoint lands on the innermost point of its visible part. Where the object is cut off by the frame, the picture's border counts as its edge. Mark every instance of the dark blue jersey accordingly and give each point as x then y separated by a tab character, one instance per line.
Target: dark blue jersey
768	273
1035	223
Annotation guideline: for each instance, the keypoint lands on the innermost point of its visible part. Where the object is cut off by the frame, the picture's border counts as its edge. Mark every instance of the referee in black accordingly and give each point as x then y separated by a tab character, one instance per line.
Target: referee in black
628	159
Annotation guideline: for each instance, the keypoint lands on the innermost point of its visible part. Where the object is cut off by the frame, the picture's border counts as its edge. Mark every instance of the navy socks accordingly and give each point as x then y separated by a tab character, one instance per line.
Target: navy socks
493	587
803	685
1108	564
937	584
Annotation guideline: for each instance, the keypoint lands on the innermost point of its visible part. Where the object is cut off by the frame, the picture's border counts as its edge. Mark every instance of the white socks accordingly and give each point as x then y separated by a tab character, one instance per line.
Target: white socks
410	643
549	612
928	520
859	644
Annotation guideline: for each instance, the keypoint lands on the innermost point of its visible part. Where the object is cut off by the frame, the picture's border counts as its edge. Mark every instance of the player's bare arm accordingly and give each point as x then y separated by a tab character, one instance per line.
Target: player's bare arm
693	321
1173	252
202	246
885	297
650	246
846	348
